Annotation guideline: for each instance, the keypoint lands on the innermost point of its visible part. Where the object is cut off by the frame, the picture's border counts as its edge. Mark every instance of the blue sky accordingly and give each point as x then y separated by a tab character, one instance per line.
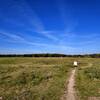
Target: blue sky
50	26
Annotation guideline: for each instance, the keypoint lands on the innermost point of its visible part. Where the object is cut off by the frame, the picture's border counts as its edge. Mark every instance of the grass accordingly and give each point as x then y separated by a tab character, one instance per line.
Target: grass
33	78
44	78
88	79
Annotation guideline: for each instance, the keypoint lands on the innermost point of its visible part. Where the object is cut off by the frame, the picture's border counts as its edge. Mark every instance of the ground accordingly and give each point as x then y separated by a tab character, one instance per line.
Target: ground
49	78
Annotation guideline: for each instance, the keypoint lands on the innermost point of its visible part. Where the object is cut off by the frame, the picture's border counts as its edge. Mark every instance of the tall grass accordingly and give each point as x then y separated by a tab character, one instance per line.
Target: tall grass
33	78
88	80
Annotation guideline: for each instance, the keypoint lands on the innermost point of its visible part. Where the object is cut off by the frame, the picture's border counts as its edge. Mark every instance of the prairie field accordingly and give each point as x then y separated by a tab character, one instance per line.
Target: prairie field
88	79
29	78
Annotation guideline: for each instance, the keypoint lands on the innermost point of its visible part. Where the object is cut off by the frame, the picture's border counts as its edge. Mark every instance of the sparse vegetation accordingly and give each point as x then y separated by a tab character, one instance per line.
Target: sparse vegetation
88	79
44	78
33	78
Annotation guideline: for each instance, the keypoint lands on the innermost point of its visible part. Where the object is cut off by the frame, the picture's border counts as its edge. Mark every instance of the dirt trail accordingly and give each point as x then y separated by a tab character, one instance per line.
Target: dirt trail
70	88
70	92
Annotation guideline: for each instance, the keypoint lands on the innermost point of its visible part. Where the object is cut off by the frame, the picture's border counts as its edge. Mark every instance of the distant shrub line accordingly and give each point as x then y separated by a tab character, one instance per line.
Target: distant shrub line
49	55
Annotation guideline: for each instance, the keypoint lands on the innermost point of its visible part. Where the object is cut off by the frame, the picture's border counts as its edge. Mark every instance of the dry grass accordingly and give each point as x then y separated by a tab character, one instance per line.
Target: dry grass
88	79
33	78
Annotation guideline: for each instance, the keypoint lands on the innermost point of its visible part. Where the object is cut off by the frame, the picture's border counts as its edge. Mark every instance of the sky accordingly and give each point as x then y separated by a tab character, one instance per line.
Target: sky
49	26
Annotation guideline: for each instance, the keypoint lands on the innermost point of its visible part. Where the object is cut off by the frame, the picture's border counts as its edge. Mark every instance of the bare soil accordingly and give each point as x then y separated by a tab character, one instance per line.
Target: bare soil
69	93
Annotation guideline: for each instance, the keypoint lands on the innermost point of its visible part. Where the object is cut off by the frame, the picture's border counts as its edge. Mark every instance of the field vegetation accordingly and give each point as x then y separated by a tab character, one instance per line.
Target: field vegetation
33	78
88	79
29	78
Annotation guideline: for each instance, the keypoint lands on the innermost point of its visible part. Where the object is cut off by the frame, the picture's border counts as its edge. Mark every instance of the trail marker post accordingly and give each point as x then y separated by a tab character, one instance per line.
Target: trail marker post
75	63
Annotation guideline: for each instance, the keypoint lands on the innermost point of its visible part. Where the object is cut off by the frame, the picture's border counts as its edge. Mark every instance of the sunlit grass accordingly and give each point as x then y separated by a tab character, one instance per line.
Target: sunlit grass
33	78
88	79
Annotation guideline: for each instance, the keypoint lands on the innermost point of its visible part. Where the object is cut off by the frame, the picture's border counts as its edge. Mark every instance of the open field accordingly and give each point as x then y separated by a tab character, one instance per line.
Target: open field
33	78
88	79
44	78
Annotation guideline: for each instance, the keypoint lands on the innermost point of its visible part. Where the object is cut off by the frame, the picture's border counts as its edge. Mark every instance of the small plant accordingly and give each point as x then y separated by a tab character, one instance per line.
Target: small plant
36	78
92	73
21	79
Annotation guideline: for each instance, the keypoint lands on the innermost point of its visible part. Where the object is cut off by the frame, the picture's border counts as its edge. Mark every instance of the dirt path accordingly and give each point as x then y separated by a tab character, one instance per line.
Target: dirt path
70	92
70	88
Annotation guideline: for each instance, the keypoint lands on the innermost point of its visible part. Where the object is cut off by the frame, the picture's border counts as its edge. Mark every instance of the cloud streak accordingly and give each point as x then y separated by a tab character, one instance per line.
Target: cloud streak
27	19
12	36
34	21
16	38
19	39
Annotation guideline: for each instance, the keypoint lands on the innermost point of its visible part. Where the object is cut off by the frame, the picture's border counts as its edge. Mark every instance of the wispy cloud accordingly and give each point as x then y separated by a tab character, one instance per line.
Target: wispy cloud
59	47
27	19
19	39
66	16
16	38
34	21
69	23
49	35
12	36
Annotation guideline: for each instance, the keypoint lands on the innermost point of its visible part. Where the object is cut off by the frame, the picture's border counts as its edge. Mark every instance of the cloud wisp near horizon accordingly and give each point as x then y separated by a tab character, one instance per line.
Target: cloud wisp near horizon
53	26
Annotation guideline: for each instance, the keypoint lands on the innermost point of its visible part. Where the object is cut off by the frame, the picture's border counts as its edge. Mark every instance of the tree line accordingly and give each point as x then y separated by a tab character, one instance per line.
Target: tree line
49	55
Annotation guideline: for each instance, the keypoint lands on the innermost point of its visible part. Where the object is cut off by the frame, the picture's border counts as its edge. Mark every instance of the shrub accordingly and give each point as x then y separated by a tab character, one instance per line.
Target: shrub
92	73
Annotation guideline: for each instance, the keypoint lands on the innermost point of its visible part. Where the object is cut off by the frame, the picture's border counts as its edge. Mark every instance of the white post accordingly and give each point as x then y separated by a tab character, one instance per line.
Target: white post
75	63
